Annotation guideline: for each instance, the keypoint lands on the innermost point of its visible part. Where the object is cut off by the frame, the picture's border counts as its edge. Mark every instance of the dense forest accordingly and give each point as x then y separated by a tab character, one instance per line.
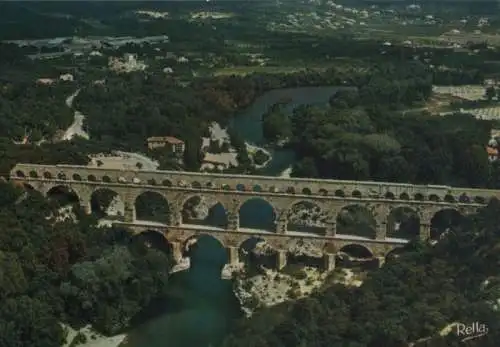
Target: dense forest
411	299
56	271
352	140
34	110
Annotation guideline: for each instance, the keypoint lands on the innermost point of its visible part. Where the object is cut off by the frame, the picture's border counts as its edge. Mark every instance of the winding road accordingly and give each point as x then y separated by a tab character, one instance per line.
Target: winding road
76	128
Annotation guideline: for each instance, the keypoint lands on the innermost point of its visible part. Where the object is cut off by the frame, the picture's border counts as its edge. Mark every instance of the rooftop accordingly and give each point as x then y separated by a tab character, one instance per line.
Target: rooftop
168	139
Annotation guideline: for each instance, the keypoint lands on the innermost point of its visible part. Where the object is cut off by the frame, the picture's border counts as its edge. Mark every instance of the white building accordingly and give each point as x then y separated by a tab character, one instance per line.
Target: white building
67	77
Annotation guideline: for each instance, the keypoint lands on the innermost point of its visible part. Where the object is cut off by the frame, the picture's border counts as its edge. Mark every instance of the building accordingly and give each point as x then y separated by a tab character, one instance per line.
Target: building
67	77
177	146
46	81
129	63
492	153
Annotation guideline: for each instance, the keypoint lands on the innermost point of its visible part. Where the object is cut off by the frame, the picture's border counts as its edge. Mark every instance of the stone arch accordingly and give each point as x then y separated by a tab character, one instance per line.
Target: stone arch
306	216
196	185
356	219
419	197
151	182
33	174
444	221
153	238
354	254
61	176
76	177
404	196
403	222
257	188
434	197
186	243
290	190
356	194
106	179
339	193
91	178
20	173
153	207
389	195
479	200
210	185
205	248
166	183
304	252
323	192
256	252
240	187
449	198
63	195
394	254
257	213
26	186
306	191
47	175
464	199
107	202
226	187
202	210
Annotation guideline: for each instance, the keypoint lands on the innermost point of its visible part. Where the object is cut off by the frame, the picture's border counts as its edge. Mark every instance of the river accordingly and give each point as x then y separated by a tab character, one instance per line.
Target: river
203	306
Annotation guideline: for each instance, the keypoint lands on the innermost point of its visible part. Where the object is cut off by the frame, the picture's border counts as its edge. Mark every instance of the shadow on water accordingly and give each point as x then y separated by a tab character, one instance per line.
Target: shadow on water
199	309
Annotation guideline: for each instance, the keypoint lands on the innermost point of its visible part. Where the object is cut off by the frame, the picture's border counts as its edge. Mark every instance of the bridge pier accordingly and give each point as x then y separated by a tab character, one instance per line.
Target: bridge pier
233	221
281	225
381	261
233	254
175	216
331	229
86	207
329	261
280	260
381	232
129	215
425	232
176	251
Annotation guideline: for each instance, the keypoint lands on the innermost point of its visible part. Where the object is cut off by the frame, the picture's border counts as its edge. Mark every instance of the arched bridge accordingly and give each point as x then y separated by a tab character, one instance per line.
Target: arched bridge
326	201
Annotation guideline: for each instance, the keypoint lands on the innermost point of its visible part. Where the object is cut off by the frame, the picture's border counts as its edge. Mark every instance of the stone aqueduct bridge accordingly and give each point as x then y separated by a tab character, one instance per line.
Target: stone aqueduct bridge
232	191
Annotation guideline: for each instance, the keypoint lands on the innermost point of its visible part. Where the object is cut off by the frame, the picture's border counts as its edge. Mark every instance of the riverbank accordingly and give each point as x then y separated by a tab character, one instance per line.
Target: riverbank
91	338
227	158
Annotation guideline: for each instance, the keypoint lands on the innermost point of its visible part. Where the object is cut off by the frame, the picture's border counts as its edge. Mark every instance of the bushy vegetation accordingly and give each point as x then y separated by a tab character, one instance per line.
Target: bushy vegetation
32	110
64	272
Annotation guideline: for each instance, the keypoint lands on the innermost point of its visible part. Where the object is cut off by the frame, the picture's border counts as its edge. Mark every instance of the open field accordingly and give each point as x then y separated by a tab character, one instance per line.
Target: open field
293	67
245	70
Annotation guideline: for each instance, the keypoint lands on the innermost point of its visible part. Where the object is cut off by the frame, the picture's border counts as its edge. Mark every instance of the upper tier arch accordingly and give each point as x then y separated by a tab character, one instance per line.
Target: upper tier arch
269	185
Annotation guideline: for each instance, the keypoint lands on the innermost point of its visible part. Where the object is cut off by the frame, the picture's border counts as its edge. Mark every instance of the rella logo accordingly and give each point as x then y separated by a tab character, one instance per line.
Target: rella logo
471	331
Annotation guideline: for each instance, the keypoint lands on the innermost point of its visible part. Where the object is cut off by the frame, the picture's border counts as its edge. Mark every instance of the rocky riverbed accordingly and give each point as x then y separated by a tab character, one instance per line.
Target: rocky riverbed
269	287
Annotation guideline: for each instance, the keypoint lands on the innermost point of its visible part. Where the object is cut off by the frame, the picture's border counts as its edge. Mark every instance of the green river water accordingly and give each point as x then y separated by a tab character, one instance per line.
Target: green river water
203	306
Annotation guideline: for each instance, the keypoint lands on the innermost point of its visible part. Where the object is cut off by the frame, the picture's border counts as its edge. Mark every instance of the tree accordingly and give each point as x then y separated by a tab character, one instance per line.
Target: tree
490	93
276	124
138	165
